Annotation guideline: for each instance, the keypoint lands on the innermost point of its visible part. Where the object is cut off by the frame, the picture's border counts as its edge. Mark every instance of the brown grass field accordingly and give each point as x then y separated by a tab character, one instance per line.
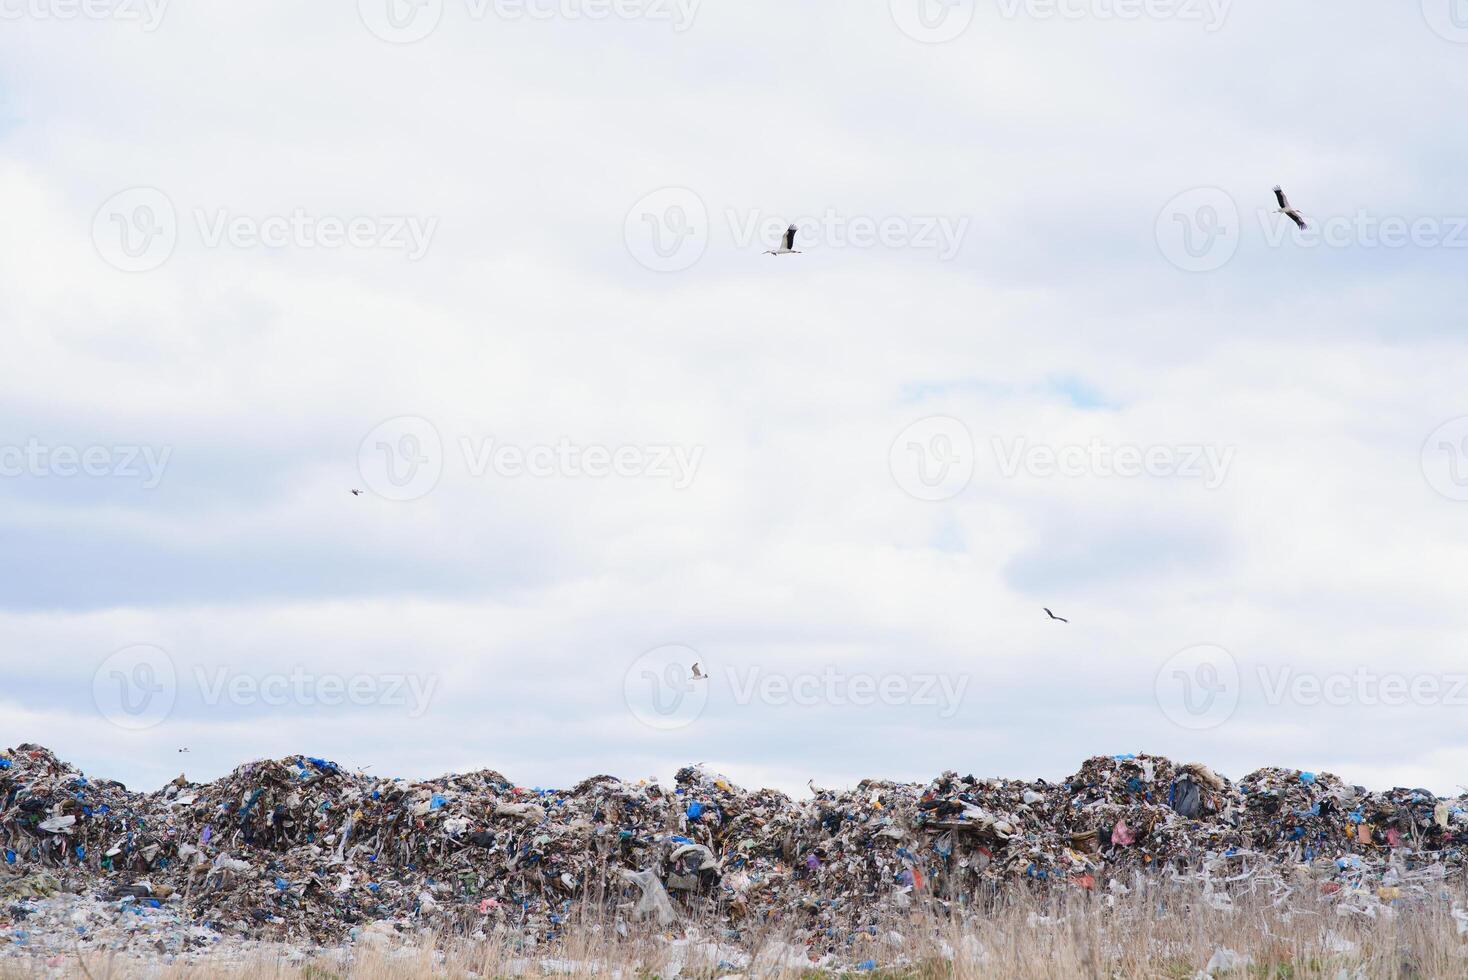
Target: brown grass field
1159	932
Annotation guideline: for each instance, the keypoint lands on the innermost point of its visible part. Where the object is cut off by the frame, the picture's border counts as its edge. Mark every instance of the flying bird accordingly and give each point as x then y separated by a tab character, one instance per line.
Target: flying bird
356	493
1055	617
787	244
698	674
183	750
1289	212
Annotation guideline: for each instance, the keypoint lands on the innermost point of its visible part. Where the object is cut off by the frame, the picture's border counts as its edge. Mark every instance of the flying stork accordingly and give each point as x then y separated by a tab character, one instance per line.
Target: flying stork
1284	208
787	244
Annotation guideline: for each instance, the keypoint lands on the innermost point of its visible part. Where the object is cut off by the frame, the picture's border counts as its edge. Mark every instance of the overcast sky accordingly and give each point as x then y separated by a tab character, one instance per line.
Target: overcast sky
498	264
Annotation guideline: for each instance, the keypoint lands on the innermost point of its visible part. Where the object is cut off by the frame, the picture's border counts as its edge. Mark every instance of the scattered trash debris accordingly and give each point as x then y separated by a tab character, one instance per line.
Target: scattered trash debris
1225	960
300	850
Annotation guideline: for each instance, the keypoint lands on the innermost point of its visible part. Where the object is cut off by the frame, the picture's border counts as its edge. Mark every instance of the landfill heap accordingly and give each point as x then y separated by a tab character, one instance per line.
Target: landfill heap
299	850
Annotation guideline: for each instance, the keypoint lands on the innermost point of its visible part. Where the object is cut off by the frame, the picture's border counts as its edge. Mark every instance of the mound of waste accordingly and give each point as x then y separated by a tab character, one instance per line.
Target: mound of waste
300	850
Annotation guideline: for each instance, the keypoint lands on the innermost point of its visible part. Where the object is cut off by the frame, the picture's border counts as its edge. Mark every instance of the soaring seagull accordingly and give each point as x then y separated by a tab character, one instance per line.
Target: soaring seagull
787	244
699	675
1284	208
1055	617
356	493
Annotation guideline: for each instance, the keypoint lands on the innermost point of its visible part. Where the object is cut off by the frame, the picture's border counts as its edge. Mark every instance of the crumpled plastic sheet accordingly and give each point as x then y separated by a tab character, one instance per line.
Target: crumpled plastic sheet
299	850
655	903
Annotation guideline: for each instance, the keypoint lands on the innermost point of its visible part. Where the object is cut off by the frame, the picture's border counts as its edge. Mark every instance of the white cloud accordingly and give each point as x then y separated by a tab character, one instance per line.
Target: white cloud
528	321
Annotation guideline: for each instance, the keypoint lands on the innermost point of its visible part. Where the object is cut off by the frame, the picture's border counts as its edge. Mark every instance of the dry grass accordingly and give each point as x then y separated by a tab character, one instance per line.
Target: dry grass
1161	932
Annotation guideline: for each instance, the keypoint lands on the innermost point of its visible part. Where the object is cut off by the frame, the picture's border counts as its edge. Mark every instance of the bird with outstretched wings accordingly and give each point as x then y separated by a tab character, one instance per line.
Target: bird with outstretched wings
787	244
1285	209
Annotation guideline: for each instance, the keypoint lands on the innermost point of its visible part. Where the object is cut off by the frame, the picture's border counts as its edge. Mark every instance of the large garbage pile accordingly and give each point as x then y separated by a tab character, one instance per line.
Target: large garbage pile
301	851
